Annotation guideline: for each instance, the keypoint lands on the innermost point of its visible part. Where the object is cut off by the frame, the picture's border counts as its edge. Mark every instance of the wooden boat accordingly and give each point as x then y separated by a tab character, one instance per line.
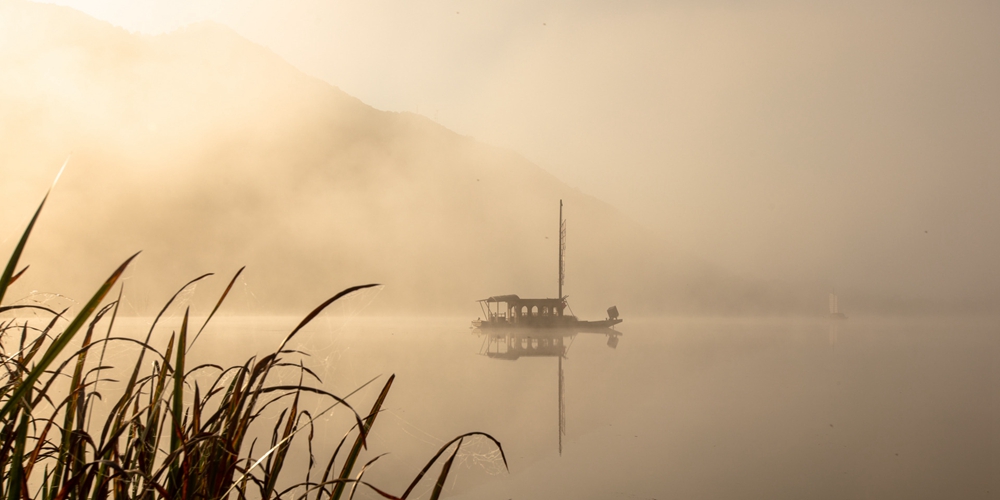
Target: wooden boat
512	311
516	327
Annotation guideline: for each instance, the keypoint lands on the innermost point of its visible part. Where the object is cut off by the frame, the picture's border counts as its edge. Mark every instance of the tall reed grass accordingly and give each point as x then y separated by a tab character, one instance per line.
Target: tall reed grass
158	440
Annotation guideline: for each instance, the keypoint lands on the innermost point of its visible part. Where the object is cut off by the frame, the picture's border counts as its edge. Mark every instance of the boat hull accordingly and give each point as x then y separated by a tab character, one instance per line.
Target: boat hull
576	325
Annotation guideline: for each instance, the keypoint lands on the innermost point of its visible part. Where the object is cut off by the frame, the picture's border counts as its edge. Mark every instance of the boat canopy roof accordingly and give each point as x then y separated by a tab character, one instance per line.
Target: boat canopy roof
502	298
515	300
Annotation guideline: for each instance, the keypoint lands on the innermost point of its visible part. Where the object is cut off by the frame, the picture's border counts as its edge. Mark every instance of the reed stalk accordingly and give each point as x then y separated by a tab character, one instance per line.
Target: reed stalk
164	437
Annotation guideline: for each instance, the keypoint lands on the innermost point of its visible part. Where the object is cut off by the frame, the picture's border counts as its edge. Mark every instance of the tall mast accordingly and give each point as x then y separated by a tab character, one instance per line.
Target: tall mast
562	250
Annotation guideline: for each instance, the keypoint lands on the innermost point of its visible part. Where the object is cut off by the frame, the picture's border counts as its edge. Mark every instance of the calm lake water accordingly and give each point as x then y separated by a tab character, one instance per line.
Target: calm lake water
682	408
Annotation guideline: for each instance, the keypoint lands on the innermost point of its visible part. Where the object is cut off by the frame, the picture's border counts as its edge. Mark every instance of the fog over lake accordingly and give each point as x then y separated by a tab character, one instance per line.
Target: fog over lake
793	209
695	408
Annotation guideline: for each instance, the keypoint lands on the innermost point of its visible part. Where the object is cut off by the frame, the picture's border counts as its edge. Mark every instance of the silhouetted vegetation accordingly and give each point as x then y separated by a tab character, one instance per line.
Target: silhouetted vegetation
168	435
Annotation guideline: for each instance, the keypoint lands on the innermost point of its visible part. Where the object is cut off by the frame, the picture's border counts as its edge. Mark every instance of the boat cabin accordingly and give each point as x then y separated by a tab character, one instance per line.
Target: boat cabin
511	310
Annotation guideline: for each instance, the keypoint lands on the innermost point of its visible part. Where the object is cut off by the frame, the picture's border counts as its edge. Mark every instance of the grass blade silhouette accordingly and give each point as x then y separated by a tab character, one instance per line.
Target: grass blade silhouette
444	473
61	340
8	273
345	473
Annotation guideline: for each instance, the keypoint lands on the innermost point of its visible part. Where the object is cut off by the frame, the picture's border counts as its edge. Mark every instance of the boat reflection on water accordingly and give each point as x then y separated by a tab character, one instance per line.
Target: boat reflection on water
514	343
511	344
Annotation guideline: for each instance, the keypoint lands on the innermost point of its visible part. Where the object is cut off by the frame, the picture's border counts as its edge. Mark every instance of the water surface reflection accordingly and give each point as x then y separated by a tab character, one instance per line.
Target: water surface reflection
513	343
682	408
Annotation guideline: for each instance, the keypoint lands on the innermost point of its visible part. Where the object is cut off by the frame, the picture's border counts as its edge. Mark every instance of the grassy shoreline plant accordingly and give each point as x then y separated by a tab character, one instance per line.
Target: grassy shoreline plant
167	436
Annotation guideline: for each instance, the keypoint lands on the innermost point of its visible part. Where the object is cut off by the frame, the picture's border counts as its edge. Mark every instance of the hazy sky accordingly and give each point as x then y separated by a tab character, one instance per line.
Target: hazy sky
855	142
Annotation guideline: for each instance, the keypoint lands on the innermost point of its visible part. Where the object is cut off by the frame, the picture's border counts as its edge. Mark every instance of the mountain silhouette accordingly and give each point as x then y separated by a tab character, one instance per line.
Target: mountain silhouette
209	152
